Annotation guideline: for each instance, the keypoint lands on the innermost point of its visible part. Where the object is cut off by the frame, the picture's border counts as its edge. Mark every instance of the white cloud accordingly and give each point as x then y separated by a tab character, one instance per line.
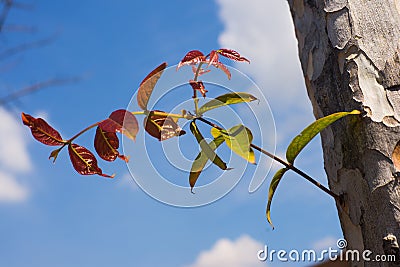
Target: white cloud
13	153
239	253
11	190
14	158
263	32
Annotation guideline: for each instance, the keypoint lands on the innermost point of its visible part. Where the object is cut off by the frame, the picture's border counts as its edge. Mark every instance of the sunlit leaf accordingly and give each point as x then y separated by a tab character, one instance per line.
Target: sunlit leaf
301	140
198	85
238	139
147	85
191	58
106	145
201	71
84	161
396	157
162	127
213	58
201	161
42	131
226	99
232	54
272	188
222	67
121	121
205	147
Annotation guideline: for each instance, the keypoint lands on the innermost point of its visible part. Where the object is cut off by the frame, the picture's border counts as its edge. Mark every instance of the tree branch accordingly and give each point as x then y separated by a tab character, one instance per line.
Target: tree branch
36	87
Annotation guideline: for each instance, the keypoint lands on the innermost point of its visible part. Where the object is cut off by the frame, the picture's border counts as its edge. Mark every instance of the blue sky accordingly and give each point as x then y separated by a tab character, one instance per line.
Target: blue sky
51	216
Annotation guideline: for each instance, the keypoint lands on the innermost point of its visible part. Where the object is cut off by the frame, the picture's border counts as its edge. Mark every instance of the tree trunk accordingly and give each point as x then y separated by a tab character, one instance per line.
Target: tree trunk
350	57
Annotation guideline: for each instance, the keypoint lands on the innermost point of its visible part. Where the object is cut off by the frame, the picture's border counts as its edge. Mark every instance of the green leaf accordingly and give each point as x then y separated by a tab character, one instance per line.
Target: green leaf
147	85
201	161
301	140
206	148
238	139
226	99
272	187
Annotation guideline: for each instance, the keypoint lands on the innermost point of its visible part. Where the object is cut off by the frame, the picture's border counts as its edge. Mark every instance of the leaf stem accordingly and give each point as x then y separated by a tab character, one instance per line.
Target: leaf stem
285	163
195	98
83	131
162	114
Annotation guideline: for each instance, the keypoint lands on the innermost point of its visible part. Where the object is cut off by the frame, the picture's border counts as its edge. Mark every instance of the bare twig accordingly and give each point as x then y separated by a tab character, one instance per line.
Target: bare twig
18	28
36	87
4	13
26	46
283	162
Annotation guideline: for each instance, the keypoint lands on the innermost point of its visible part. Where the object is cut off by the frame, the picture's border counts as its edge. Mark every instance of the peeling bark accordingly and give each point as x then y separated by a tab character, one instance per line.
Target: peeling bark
349	52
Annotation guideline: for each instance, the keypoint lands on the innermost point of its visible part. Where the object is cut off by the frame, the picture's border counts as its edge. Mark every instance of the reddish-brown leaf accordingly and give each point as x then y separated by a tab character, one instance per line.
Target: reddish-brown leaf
162	127
213	58
84	161
121	121
396	157
191	58
222	67
201	72
106	145
42	131
147	85
232	54
198	85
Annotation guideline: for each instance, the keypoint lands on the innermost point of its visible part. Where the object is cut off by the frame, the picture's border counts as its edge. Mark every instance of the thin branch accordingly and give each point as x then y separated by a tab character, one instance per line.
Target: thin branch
18	28
36	87
283	162
26	46
3	16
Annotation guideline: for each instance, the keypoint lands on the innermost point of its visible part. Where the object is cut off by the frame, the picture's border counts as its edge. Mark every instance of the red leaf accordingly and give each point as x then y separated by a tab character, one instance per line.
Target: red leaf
221	66
84	161
121	121
198	85
213	59
106	145
42	131
162	127
191	58
201	72
232	54
147	85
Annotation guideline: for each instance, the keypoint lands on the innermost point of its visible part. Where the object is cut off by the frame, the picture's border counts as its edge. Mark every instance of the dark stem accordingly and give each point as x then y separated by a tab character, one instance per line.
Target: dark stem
283	162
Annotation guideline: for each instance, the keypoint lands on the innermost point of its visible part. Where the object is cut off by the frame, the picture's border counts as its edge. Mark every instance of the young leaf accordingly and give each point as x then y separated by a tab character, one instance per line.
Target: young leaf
106	145
162	127
201	160
222	67
396	157
214	58
191	58
84	161
42	131
226	99
121	121
238	139
198	85
232	54
147	85
201	72
205	147
272	187
301	140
